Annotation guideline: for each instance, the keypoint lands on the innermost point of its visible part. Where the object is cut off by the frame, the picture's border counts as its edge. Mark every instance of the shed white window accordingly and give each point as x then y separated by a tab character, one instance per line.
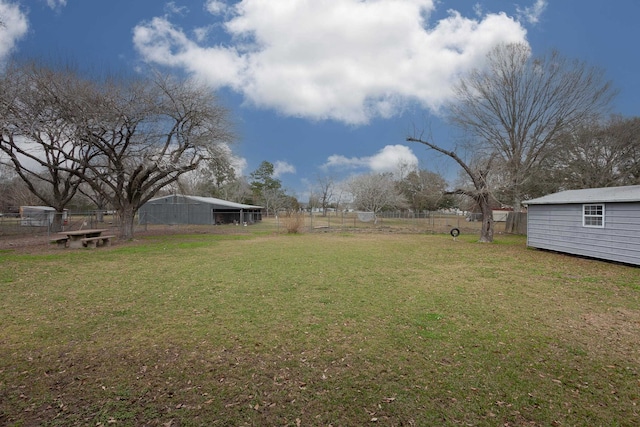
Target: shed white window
593	216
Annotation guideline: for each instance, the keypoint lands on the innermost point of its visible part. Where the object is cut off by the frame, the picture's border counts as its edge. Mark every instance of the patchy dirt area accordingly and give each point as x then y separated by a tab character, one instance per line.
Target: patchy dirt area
617	329
27	244
40	243
35	243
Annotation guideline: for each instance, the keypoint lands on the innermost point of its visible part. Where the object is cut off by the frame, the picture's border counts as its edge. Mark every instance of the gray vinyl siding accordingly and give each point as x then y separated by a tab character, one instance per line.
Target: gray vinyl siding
559	228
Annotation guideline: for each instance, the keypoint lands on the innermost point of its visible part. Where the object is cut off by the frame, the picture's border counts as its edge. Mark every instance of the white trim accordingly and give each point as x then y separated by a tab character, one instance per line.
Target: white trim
585	216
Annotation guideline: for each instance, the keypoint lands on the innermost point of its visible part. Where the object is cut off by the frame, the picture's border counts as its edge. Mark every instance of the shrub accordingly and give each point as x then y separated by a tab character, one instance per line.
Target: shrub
293	222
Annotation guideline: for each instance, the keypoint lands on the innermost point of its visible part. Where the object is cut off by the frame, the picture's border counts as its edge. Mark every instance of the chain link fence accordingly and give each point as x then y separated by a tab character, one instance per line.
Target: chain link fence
12	226
47	223
401	222
389	221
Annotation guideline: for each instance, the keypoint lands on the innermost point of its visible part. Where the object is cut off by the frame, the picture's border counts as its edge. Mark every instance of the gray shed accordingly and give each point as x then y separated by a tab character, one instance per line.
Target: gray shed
180	209
600	223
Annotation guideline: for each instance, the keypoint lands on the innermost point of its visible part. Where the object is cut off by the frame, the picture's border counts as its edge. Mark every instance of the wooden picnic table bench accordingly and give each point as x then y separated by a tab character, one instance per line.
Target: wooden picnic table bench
60	240
92	242
78	238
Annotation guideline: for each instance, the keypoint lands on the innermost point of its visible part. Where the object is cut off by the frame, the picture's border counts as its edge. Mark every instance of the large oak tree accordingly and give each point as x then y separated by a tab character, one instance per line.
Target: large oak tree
143	134
126	138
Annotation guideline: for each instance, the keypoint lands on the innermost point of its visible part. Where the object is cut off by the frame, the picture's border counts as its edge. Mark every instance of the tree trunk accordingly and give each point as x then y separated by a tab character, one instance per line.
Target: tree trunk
57	222
127	218
516	223
486	233
517	201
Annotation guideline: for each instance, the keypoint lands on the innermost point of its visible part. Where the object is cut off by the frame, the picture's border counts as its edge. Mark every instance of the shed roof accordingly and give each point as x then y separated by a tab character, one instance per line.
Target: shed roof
626	194
210	201
38	208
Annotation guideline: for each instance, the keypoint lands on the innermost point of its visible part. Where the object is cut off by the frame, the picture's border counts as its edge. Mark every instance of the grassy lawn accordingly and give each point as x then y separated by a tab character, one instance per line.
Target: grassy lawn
318	329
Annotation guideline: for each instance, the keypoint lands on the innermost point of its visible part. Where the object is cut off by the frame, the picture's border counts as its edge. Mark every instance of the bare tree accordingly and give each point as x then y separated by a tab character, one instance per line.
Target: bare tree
424	190
339	195
13	191
314	201
212	176
515	110
143	135
626	134
190	183
519	105
374	192
598	155
37	133
324	195
479	191
126	138
97	198
238	190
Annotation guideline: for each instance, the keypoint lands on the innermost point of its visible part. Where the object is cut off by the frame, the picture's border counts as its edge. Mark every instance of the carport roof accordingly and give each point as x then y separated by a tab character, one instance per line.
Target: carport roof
211	201
629	193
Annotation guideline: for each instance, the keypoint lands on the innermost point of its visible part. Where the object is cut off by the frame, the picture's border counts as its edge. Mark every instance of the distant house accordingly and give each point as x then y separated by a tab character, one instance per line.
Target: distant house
600	223
180	209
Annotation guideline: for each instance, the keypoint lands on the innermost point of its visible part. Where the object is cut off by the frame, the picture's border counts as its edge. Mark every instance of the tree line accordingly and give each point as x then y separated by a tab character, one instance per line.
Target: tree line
528	126
88	143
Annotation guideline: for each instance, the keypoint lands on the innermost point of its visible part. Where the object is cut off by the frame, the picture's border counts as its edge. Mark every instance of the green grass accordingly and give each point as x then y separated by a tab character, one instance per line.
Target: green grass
318	329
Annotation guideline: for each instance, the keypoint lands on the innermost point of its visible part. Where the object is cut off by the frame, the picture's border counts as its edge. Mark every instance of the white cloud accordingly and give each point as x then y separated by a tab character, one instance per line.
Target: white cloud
392	158
56	4
216	7
172	8
340	161
477	9
532	14
164	44
346	60
239	165
14	27
201	33
281	167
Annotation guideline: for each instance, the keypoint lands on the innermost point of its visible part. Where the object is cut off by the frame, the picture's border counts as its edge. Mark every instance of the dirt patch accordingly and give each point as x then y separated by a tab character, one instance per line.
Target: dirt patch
26	244
619	329
40	244
616	332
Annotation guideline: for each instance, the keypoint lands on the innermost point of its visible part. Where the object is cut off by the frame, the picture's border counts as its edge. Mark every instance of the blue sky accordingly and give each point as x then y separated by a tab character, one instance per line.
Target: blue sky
327	87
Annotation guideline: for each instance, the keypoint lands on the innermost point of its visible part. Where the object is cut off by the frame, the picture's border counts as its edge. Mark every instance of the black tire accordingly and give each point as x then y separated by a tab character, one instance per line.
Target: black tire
455	232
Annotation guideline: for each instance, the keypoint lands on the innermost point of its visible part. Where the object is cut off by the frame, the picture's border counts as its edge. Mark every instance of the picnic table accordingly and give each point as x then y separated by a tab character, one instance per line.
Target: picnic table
90	238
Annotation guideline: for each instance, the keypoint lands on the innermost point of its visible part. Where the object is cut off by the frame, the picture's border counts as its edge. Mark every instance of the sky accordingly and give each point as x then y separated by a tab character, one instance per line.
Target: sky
327	88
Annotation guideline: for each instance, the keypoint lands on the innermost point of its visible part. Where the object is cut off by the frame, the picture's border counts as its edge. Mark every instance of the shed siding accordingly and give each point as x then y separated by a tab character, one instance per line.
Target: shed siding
177	209
559	228
176	213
